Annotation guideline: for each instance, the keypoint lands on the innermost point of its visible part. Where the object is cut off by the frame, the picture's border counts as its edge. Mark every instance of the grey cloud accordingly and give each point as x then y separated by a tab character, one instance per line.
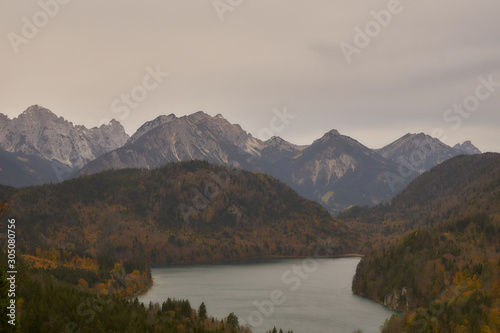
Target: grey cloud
265	54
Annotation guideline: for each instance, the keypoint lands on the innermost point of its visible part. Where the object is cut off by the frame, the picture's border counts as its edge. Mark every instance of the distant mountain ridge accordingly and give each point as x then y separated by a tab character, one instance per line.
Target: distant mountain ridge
467	147
334	170
438	195
420	152
340	171
38	131
172	139
21	170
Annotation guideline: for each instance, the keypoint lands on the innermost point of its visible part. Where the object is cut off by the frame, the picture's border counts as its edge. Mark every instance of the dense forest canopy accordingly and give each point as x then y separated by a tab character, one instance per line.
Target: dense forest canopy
431	252
182	213
445	272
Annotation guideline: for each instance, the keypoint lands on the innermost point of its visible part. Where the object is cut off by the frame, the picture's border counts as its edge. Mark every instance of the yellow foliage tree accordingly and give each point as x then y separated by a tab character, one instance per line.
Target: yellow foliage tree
83	283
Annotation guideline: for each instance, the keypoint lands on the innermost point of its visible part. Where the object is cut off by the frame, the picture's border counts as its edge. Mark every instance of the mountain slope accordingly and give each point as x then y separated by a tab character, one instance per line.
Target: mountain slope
171	139
467	148
20	170
416	153
445	273
447	190
339	171
38	131
336	170
181	213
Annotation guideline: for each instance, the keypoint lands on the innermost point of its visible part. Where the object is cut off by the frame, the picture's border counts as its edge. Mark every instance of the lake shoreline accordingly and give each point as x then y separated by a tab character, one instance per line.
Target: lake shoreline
244	290
257	260
240	262
377	301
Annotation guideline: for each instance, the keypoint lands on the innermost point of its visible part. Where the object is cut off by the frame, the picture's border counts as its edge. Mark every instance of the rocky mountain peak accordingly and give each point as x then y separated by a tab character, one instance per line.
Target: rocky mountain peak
330	135
467	147
38	131
39	114
415	140
112	135
36	109
3	119
277	142
150	125
416	136
114	123
417	152
333	132
200	115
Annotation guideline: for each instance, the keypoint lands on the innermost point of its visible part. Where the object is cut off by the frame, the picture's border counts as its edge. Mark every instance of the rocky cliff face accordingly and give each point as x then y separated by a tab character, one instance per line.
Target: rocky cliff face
339	171
398	299
38	131
170	139
151	125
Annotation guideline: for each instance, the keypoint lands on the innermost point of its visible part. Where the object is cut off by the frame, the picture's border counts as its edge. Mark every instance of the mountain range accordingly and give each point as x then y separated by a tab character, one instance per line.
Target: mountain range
50	146
336	170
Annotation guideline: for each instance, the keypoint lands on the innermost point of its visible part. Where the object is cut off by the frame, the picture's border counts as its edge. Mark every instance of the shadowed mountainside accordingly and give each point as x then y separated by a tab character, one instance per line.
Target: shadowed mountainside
445	273
182	213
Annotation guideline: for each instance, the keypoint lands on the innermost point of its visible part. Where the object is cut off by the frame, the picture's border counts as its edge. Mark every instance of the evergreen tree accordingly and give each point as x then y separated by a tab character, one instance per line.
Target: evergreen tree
202	311
232	320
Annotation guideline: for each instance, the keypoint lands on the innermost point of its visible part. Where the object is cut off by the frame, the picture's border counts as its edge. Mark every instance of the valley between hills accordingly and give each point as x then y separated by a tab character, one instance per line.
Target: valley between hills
169	195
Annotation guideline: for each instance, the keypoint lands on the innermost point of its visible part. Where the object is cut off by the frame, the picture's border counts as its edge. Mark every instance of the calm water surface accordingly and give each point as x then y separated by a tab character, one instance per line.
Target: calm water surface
305	295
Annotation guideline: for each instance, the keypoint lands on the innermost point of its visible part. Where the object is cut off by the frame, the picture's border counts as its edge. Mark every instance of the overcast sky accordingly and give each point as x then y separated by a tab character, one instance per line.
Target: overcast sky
244	59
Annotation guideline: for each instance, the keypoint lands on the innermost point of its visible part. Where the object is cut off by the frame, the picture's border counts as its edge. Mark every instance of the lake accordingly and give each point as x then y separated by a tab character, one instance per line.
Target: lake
305	295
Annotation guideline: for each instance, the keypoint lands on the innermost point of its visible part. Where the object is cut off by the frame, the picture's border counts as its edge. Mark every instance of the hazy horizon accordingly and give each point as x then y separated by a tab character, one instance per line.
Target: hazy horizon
264	139
374	71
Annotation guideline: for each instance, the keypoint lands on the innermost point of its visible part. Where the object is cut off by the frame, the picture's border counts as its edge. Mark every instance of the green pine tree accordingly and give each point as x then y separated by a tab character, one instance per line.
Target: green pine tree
202	311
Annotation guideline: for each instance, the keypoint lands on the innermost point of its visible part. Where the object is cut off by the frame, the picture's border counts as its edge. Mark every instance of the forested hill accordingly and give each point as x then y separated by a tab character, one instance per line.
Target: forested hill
461	186
445	274
184	212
